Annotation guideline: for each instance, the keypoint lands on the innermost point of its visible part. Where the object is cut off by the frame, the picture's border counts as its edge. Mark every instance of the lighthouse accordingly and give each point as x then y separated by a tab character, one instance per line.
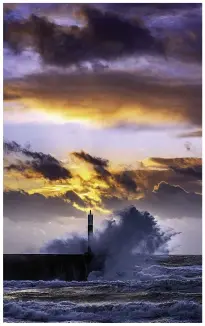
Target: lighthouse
90	231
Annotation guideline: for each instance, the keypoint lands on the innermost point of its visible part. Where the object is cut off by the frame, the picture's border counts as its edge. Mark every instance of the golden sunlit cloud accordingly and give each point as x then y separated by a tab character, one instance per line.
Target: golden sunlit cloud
182	162
107	98
90	179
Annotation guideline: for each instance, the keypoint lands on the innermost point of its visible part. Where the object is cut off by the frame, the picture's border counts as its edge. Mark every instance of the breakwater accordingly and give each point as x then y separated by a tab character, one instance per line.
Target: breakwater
46	267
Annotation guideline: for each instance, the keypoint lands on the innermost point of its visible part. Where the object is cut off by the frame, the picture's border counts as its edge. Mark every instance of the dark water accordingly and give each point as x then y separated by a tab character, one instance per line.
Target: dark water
160	290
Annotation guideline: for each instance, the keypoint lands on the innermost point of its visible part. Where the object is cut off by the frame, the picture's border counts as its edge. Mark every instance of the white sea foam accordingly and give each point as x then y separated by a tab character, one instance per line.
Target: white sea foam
39	311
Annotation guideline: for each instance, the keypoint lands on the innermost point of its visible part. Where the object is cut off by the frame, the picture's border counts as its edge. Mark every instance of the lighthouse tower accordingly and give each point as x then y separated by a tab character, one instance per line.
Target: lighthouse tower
90	231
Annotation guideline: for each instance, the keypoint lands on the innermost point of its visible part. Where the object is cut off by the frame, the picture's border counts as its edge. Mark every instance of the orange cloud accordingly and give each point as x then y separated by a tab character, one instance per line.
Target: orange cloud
108	98
95	183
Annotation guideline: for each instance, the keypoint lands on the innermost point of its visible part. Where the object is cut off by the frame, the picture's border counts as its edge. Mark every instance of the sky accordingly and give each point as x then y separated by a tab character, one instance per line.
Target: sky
102	110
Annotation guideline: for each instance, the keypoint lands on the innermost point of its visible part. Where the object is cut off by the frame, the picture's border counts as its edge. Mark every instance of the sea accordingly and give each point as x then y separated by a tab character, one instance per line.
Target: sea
161	289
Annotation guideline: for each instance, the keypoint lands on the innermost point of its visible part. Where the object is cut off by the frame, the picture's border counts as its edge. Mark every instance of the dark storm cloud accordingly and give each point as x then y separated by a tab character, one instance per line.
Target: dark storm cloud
117	8
170	201
190	167
20	206
147	179
178	26
151	8
74	198
96	96
108	31
188	45
104	36
127	180
102	172
195	172
45	164
113	202
91	159
20	167
166	201
10	147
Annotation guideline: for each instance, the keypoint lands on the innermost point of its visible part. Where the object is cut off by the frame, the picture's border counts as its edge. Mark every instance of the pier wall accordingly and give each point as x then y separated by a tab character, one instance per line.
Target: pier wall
45	267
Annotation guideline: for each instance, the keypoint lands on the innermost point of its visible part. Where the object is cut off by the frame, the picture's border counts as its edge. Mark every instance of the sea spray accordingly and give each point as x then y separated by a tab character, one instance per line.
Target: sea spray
126	240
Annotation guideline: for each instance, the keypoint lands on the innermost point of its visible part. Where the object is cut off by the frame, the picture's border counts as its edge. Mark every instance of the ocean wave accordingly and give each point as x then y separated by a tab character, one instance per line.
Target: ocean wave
141	281
149	272
39	311
170	269
155	294
14	284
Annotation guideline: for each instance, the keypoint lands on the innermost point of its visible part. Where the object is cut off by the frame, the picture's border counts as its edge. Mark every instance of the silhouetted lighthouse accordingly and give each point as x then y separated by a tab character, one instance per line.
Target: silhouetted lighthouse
90	231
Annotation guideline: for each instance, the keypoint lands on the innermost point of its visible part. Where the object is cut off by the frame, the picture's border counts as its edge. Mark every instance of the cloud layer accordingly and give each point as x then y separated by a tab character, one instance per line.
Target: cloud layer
20	206
166	187
95	97
106	31
44	165
100	36
104	35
